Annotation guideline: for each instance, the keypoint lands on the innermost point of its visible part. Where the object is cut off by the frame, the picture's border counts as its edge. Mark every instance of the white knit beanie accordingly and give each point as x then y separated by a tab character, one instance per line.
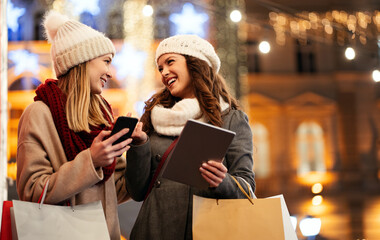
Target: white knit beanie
191	45
73	42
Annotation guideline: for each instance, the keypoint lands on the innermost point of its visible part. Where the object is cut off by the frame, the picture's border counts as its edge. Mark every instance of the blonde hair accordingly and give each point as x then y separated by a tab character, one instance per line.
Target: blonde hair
83	109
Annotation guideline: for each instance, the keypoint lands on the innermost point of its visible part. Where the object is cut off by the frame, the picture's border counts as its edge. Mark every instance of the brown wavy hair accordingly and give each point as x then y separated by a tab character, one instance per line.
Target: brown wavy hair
208	87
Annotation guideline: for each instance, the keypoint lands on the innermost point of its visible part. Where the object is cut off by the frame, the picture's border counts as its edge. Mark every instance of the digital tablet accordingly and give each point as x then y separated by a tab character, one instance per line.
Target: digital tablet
197	143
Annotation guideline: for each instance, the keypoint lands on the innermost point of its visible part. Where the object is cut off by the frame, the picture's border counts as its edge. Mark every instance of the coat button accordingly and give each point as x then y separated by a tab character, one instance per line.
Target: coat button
157	184
158	157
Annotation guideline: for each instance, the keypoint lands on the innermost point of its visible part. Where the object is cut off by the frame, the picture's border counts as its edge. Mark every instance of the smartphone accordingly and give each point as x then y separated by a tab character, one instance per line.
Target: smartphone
121	123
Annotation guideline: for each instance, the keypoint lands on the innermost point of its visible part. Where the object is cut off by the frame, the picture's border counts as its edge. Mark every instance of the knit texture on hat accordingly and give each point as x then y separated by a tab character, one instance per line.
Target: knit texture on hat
73	42
191	45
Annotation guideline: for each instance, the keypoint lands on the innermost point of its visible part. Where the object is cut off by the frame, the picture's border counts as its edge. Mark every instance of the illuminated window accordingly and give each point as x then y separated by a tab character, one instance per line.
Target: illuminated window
261	150
310	148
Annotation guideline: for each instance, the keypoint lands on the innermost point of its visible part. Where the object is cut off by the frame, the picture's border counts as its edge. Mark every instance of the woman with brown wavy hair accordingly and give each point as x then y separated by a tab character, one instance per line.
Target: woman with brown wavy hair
193	89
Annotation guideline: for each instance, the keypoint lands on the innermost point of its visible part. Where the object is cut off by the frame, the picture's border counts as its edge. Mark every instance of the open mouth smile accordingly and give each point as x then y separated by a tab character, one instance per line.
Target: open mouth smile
171	81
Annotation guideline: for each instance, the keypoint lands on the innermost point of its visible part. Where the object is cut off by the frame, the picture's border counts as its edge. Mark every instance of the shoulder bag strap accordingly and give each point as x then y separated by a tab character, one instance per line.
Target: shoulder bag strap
168	150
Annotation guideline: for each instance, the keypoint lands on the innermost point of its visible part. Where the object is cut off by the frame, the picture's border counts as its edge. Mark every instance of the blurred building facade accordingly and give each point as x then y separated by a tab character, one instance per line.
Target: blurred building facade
314	113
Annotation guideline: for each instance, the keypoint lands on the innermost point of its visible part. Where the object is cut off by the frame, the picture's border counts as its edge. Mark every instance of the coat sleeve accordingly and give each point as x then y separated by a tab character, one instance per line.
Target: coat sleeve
120	183
138	172
40	157
238	160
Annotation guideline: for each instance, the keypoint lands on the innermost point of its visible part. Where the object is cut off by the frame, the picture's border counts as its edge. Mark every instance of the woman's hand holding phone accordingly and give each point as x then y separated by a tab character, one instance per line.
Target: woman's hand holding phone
103	151
123	122
135	129
139	136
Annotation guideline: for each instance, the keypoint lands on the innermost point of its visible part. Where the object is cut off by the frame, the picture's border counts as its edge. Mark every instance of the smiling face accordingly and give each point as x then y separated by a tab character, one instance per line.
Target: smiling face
98	70
175	75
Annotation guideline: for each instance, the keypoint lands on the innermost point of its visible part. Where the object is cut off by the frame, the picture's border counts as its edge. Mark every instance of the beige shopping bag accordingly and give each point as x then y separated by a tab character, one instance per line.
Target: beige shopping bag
45	222
240	219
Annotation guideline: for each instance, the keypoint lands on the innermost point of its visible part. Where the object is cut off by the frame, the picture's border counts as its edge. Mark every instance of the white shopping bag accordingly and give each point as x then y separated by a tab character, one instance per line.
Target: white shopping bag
289	232
46	222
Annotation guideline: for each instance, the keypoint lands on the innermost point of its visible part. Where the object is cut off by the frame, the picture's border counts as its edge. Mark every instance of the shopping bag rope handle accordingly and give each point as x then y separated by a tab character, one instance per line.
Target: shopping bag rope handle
43	195
250	198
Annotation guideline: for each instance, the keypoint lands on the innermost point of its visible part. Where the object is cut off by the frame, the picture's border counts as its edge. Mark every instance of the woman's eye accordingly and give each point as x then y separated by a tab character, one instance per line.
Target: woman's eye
170	61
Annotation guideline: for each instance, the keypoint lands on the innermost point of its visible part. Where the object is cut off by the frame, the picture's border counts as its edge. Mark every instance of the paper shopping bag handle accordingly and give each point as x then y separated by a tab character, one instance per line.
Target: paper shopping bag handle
43	195
250	198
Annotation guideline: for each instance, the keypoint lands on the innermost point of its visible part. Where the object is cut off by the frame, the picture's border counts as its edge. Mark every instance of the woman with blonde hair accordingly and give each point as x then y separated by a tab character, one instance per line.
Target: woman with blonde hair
193	89
64	135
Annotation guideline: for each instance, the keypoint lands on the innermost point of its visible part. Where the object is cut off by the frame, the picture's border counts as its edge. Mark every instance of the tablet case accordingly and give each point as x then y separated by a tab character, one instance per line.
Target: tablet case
197	143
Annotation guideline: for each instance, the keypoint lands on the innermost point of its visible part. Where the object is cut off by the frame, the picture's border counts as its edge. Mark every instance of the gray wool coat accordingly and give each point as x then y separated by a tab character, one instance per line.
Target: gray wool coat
167	212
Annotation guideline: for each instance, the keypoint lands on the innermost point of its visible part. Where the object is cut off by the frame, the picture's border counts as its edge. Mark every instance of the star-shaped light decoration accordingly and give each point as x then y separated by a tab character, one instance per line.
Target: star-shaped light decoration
189	21
24	61
13	14
129	63
91	6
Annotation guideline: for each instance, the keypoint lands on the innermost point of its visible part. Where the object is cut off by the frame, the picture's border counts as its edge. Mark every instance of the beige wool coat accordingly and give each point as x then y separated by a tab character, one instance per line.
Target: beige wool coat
41	157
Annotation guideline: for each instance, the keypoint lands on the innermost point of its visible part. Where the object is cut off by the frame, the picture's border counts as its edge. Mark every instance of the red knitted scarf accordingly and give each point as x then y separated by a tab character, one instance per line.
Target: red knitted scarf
73	143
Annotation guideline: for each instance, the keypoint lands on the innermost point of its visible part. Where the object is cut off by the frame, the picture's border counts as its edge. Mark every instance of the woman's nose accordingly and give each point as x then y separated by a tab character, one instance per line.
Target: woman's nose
109	75
165	72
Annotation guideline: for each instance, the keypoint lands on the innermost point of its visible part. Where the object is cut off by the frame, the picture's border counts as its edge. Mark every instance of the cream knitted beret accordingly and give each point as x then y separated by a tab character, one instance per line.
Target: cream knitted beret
73	42
191	45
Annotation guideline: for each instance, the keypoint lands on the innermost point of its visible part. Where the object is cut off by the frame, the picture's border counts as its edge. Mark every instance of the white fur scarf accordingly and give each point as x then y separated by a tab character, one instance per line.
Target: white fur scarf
170	121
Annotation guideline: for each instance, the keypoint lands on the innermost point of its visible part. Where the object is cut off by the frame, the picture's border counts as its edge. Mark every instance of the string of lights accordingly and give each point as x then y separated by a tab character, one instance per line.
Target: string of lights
355	31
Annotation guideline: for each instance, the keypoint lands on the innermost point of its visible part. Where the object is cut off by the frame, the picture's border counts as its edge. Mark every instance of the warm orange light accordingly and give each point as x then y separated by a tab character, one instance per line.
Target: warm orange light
317	200
12	170
317	188
324	209
316	177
